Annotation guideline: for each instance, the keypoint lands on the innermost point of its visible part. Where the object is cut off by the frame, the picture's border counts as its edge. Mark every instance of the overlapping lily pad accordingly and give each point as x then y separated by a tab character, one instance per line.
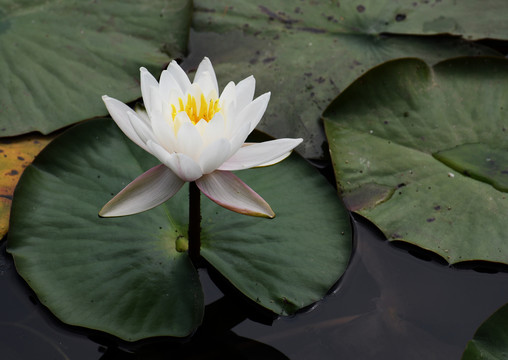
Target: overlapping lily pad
490	342
59	57
15	155
125	276
421	151
306	52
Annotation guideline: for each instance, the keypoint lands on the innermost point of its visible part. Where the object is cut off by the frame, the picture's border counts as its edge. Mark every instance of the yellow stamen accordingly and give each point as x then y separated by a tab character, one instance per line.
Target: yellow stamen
203	108
206	110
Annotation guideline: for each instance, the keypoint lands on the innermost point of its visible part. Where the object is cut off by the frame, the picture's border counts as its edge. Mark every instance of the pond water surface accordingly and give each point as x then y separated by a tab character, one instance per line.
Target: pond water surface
388	305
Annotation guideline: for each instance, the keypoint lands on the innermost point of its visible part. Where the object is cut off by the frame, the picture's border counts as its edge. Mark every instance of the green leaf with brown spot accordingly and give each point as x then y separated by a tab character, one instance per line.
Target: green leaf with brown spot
306	52
423	152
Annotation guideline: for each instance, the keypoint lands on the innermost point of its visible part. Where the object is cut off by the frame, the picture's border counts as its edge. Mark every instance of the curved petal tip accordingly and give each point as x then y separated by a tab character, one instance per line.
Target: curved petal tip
227	190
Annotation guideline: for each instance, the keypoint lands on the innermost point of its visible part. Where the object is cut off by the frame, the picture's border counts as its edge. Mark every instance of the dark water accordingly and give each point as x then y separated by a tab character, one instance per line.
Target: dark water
388	305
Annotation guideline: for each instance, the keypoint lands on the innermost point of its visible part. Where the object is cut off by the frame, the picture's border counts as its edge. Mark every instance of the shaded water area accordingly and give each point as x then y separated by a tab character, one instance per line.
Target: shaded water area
388	305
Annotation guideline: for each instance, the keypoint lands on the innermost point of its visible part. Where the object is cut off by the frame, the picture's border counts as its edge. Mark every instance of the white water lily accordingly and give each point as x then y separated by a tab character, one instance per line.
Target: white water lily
198	136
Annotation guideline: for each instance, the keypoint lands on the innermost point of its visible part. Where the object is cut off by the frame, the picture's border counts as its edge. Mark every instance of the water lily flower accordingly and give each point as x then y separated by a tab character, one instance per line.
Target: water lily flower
197	136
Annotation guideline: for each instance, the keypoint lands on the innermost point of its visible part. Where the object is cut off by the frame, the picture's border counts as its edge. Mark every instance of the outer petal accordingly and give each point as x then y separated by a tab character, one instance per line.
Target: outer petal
119	112
147	83
229	191
205	77
259	154
182	165
144	132
142	114
147	191
274	161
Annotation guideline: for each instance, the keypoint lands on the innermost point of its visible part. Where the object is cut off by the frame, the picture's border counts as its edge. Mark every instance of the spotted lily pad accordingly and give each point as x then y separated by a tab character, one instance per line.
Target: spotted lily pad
15	155
125	275
306	52
58	57
422	152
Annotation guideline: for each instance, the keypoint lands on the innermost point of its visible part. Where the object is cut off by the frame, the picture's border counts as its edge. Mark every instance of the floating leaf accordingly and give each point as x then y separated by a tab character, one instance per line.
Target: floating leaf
15	155
490	342
422	153
306	52
291	261
120	275
125	276
59	57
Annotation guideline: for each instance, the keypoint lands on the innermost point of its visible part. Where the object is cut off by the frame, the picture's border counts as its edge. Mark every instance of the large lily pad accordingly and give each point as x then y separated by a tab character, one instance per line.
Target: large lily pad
291	261
422	152
59	57
490	342
306	52
124	276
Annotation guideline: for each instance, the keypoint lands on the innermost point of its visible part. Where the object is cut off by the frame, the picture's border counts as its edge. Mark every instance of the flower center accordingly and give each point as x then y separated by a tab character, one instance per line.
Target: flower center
206	110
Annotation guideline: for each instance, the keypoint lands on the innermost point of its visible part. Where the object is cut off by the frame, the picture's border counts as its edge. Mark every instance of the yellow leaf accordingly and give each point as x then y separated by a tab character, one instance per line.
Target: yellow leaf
16	153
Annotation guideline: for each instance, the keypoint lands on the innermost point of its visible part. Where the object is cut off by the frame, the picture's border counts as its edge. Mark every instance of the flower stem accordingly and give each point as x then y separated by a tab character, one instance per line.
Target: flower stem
194	232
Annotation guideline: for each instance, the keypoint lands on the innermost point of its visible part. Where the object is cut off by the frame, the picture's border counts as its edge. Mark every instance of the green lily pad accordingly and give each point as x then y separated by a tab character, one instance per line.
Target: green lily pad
306	52
125	276
421	151
58	57
490	342
291	261
120	275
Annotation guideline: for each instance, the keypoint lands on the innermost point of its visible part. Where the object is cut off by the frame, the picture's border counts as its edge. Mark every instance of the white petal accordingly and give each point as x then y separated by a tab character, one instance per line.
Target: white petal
185	167
262	154
146	192
147	83
164	134
253	112
274	161
201	127
214	129
142	114
229	191
174	95
167	85
140	127
228	94
239	137
156	99
214	155
207	84
205	77
245	92
179	75
180	119
182	165
227	105
188	140
119	112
